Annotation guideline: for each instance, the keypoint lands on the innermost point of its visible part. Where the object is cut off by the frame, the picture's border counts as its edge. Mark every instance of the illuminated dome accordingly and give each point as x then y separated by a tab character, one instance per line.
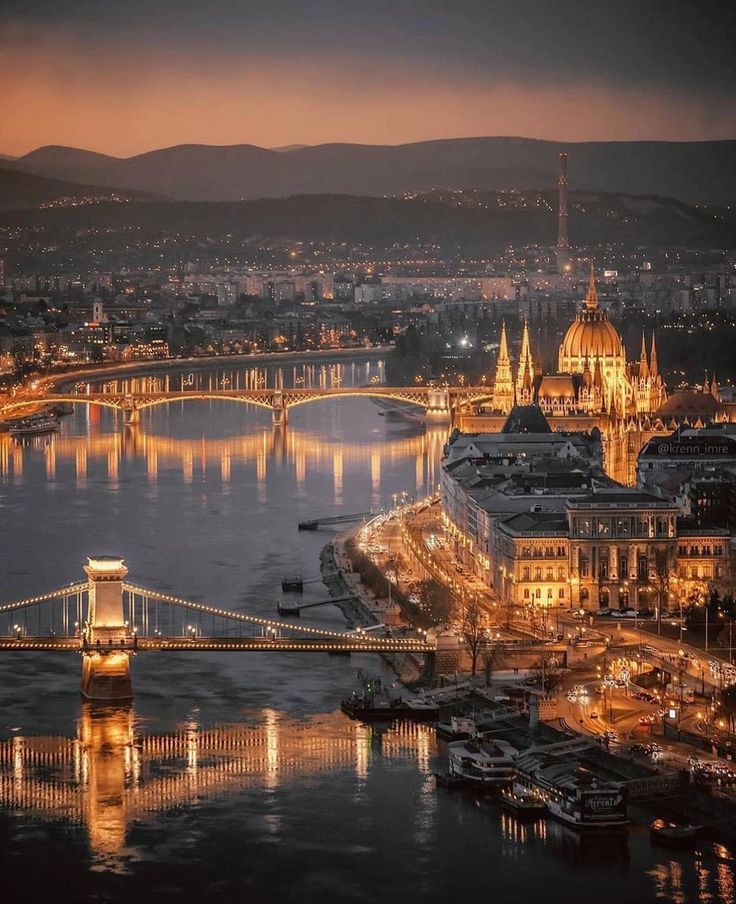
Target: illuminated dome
591	336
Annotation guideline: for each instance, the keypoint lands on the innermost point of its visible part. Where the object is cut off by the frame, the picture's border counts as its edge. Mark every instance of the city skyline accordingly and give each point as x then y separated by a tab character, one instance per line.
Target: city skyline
127	81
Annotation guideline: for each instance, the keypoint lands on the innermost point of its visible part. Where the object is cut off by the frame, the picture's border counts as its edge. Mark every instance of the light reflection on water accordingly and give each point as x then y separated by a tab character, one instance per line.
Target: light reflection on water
236	771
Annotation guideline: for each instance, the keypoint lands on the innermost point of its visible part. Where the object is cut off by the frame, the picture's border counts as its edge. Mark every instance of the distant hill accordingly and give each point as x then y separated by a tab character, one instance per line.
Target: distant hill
471	224
695	172
24	190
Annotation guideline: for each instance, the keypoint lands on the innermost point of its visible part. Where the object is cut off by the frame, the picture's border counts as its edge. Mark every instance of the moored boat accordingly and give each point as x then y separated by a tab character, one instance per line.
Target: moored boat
573	794
459	728
482	761
671	834
35	425
523	802
374	704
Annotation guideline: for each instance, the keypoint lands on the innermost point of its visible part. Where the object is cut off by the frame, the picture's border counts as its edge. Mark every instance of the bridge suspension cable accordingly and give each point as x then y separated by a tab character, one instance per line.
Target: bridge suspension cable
69	590
239	616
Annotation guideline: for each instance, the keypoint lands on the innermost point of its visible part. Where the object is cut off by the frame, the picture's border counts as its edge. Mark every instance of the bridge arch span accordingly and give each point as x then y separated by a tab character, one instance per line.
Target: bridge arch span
359	393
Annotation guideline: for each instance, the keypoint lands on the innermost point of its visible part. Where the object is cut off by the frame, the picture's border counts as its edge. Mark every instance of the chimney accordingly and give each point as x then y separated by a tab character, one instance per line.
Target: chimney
563	245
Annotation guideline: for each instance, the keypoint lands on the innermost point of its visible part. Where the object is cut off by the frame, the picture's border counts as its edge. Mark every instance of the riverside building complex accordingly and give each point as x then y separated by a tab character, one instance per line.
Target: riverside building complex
544	516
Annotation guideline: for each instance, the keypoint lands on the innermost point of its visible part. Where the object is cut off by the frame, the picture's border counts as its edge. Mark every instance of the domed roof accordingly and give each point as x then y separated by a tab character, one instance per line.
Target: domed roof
592	335
526	419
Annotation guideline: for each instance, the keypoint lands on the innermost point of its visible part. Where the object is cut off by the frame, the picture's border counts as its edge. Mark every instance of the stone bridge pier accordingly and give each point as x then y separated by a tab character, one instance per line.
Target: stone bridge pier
131	414
438	407
279	411
107	643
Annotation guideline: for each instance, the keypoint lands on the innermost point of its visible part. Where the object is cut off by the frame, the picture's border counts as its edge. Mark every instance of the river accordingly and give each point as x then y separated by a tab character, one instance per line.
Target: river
235	776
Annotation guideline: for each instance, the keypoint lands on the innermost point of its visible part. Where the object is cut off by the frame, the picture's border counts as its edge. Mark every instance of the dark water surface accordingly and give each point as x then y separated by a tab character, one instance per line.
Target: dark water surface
235	777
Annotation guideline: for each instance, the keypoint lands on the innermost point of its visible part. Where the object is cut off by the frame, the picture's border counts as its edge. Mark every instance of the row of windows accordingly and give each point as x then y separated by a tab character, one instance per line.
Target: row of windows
622	527
539	552
704	571
538	594
526	574
700	550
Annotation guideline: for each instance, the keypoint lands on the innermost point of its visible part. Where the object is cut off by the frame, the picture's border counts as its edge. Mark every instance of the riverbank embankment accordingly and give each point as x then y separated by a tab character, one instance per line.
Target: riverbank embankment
363	608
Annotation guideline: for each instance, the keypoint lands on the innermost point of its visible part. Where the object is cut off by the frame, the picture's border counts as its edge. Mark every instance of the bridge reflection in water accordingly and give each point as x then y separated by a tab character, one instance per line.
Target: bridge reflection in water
300	449
110	774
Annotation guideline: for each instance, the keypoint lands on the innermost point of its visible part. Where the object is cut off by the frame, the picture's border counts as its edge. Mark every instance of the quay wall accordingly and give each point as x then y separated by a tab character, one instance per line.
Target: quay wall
363	609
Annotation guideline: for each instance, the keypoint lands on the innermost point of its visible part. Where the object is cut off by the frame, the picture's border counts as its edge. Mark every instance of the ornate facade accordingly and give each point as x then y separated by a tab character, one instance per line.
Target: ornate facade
593	376
594	387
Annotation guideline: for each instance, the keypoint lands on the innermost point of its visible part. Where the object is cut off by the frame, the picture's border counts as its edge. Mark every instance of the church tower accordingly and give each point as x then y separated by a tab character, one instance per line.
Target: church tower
525	372
503	384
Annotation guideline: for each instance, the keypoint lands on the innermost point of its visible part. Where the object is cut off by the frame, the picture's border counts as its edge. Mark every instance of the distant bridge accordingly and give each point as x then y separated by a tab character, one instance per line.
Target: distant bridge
108	621
438	402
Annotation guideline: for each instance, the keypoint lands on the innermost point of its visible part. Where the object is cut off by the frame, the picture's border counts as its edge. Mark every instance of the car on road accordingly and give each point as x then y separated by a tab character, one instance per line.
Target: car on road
593	715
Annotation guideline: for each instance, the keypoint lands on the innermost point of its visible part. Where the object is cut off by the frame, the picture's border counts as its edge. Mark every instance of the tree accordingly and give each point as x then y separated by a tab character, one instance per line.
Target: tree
659	579
474	632
703	611
547	673
489	653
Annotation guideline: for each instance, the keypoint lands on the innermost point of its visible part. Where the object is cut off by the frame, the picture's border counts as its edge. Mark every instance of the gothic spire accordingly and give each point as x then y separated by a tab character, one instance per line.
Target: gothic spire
591	300
653	366
643	366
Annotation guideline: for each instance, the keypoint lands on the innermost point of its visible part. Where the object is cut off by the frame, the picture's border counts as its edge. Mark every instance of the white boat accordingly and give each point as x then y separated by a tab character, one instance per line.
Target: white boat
482	761
36	425
572	793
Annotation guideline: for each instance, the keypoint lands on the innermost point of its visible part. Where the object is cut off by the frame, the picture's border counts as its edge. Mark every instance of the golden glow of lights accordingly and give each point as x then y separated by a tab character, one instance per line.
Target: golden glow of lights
107	776
338	466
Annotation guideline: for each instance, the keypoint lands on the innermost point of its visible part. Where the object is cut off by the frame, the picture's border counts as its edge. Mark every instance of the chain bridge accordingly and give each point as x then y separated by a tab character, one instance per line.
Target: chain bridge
108	621
439	402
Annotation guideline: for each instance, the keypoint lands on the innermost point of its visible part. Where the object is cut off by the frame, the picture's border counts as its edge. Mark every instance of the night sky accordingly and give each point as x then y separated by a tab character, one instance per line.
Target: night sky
124	77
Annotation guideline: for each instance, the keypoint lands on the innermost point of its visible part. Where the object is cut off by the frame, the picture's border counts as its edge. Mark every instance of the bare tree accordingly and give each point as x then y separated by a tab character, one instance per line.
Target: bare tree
659	579
489	654
546	673
474	632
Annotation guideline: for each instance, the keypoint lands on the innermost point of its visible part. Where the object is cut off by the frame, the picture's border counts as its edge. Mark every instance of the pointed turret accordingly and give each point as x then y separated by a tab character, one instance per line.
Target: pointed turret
653	365
706	384
503	352
503	384
714	388
591	299
526	362
643	365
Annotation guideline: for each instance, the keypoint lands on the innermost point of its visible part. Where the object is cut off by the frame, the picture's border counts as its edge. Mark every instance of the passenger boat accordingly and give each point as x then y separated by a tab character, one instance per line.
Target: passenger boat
35	425
671	834
573	794
374	704
482	761
523	802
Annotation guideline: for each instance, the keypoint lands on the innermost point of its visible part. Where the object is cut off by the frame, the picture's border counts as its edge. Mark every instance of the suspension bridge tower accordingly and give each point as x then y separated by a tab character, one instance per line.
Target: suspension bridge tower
108	645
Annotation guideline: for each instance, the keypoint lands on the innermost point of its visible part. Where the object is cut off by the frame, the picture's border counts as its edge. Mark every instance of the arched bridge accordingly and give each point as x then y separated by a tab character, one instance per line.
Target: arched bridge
438	402
108	621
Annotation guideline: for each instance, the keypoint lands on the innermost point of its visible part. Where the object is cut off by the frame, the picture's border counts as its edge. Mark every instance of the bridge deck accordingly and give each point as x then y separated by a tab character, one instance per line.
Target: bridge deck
221	645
